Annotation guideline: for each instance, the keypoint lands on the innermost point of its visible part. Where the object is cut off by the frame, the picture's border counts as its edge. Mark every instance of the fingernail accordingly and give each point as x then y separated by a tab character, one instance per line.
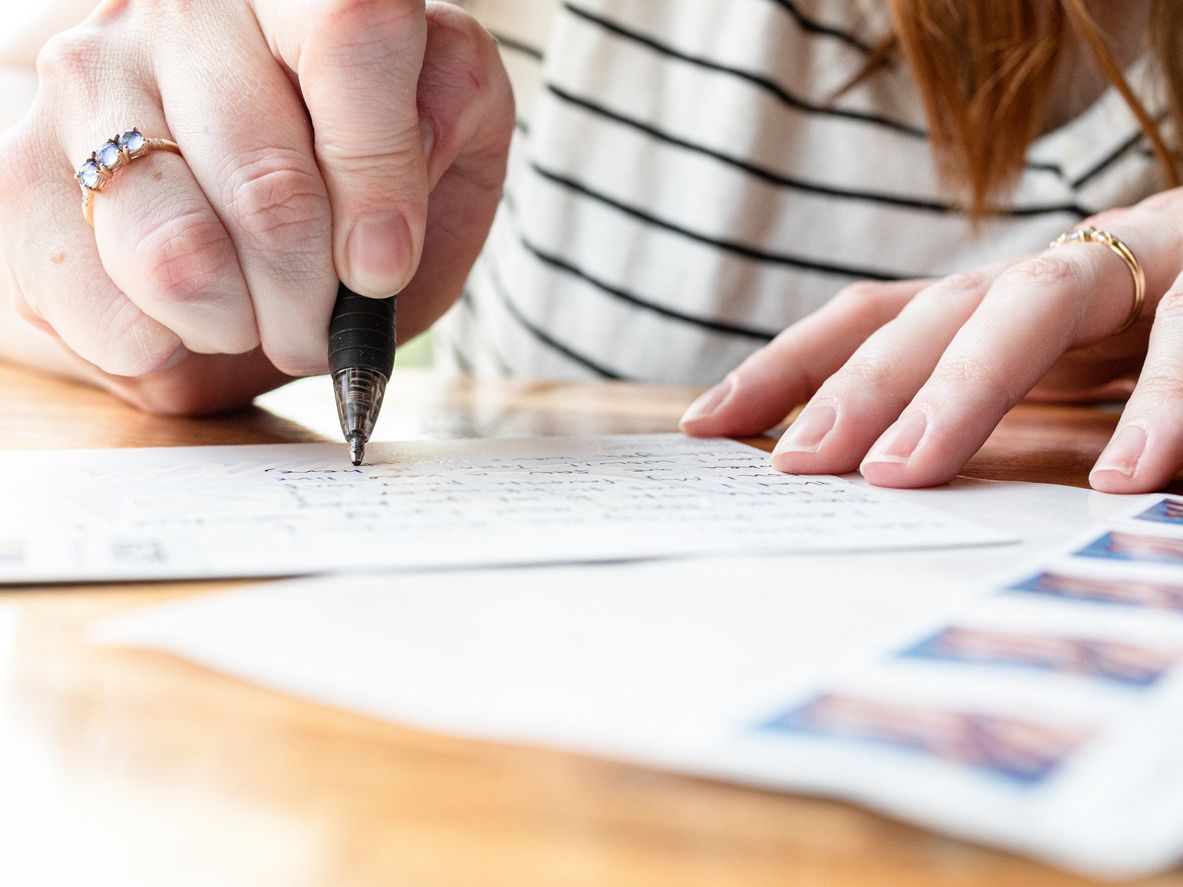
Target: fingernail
379	254
1123	452
708	403
809	429
900	440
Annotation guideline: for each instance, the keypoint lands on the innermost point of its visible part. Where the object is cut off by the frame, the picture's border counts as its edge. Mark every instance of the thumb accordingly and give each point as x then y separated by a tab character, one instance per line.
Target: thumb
357	64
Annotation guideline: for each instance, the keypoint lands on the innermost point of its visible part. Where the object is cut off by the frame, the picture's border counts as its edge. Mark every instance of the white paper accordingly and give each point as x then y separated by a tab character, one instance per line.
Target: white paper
278	510
1042	712
683	664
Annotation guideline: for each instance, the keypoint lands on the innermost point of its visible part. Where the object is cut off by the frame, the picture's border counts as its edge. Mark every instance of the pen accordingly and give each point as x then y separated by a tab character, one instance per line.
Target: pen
361	357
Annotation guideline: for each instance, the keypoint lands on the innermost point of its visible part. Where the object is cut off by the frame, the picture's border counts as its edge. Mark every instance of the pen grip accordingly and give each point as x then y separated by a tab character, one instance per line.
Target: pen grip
361	333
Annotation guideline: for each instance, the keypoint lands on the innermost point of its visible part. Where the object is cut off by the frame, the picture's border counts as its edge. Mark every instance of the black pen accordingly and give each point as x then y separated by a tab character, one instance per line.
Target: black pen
361	357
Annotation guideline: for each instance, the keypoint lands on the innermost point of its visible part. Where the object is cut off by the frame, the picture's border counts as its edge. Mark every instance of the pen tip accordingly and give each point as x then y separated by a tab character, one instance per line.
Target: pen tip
357	448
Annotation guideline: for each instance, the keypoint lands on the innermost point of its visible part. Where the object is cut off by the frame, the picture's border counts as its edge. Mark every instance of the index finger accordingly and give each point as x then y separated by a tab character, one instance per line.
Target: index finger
764	388
357	64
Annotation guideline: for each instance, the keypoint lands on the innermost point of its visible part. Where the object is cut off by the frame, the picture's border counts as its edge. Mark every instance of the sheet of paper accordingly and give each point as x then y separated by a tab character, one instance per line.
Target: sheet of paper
1040	715
200	512
1041	712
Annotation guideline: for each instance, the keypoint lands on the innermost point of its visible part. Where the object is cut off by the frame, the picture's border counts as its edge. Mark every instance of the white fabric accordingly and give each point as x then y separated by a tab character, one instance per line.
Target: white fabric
725	144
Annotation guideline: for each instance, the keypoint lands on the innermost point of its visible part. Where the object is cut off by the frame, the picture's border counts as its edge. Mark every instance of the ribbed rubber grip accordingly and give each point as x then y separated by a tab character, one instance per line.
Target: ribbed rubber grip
361	333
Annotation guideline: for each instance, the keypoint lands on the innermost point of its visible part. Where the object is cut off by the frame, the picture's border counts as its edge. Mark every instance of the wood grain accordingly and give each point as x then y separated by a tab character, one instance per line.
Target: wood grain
133	768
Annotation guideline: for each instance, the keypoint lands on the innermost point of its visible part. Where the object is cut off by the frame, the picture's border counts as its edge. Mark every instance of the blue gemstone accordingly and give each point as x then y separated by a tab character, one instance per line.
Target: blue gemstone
132	140
109	154
89	174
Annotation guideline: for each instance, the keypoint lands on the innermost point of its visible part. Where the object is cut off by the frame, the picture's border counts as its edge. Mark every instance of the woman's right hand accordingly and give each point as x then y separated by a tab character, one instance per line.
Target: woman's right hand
360	140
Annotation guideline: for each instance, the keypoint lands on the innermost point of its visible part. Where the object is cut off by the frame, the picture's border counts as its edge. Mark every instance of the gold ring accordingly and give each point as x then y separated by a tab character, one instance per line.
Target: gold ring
116	153
1096	235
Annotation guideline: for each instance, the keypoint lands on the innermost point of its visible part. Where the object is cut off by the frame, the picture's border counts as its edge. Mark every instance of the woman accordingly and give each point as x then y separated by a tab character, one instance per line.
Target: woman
688	178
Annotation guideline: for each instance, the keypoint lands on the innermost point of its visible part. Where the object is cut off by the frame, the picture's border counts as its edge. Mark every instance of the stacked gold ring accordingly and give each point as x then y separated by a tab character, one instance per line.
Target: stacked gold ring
1097	235
116	153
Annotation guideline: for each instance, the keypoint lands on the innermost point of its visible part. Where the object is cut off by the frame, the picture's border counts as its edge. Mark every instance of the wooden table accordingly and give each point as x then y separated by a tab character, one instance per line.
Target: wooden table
131	768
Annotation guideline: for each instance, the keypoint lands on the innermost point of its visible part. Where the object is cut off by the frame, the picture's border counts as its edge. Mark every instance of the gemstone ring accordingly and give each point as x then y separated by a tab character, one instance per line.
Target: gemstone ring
116	153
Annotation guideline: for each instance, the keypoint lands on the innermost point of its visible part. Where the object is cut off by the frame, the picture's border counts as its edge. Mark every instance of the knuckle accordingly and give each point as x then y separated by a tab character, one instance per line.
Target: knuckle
958	284
279	203
70	55
969	375
361	24
864	296
785	339
379	158
956	288
111	10
1050	270
869	371
188	258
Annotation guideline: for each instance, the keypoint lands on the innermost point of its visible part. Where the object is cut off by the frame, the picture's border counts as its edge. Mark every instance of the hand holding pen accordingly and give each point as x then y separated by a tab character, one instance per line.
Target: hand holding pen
307	141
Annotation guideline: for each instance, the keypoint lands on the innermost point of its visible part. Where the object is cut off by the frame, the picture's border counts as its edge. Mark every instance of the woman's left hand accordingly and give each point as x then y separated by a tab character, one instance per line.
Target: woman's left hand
905	381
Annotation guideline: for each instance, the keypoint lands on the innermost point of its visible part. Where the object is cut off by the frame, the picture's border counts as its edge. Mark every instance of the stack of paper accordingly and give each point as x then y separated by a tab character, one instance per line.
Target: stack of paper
200	512
1038	709
1040	712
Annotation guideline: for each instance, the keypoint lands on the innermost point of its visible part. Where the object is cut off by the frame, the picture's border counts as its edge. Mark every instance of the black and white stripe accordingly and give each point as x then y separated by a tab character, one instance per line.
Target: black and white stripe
682	188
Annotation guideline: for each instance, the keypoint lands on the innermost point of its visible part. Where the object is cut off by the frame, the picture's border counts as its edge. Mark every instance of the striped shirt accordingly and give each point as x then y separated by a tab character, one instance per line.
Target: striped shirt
681	186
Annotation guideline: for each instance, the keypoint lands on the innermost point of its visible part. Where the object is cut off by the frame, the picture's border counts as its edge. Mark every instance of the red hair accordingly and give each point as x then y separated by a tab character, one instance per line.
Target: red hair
986	73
